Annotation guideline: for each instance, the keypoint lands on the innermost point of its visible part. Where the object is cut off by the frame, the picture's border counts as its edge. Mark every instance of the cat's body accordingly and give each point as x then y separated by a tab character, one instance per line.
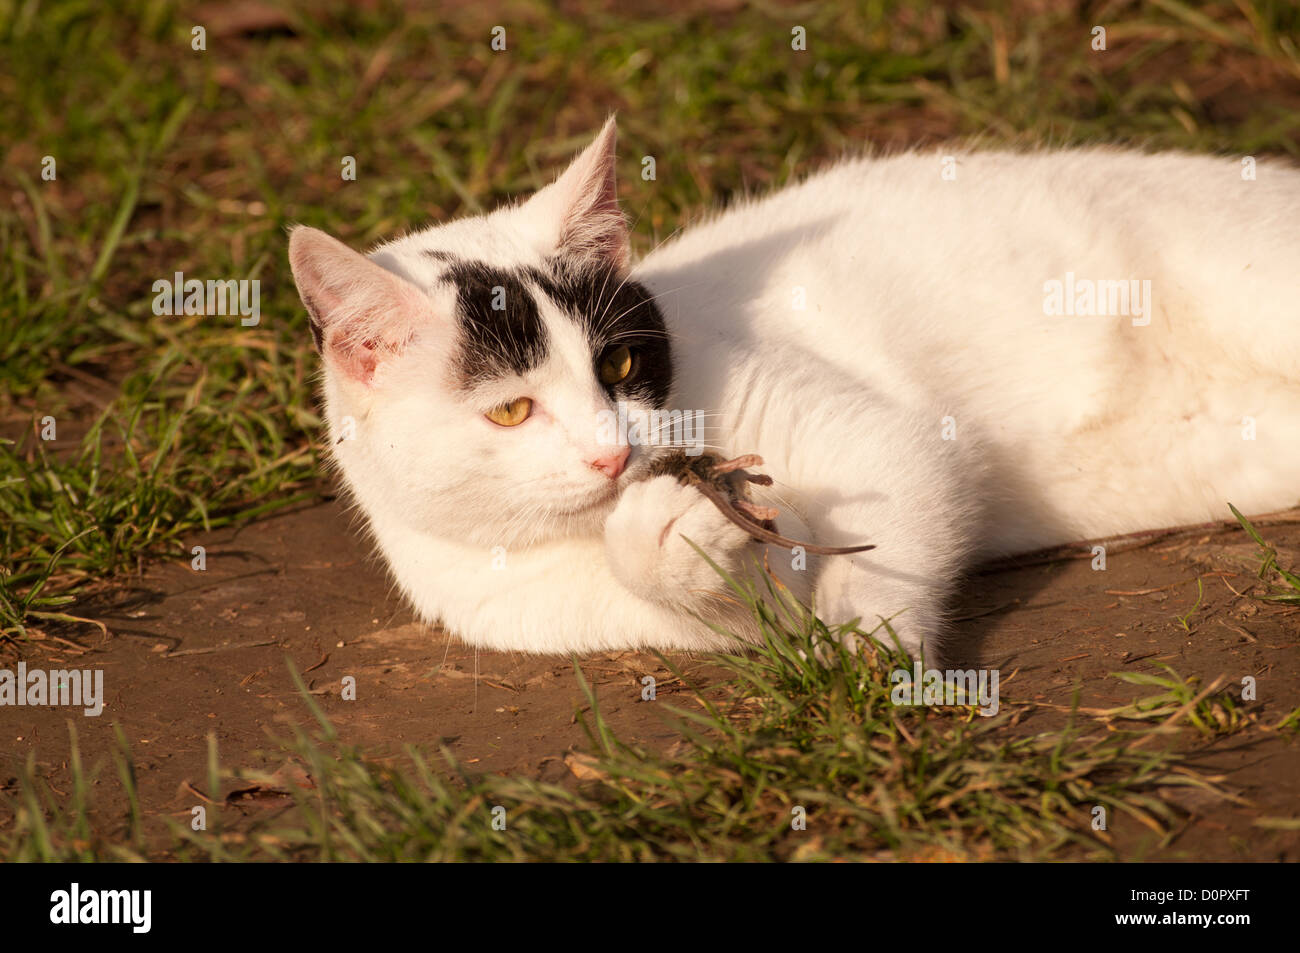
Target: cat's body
879	333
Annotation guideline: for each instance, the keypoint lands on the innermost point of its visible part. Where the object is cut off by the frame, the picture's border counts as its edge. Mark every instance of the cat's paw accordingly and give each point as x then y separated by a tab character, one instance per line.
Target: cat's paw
646	542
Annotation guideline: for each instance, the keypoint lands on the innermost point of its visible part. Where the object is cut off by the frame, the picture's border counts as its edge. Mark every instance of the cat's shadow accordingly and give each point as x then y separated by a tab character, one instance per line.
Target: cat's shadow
715	269
988	596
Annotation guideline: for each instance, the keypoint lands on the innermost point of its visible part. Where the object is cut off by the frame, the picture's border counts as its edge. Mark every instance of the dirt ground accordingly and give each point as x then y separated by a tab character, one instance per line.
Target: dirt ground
198	652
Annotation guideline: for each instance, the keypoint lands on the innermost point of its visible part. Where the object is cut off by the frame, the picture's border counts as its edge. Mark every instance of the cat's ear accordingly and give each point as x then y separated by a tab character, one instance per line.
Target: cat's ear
580	208
360	313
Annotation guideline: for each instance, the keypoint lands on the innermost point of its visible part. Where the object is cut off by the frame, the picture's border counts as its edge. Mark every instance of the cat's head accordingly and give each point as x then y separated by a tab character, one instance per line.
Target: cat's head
471	369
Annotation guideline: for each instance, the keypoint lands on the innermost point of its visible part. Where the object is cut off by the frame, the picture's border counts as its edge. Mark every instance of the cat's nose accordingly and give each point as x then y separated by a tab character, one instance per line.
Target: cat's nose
613	463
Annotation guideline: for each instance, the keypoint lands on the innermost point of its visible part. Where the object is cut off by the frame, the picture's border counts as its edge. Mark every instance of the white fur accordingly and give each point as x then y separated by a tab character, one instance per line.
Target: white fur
924	300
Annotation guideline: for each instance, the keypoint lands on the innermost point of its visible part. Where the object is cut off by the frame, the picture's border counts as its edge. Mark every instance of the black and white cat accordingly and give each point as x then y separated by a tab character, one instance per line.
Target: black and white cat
947	357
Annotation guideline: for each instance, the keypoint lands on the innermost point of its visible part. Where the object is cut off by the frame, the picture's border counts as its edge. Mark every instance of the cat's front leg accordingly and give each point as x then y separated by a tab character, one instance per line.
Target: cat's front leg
646	541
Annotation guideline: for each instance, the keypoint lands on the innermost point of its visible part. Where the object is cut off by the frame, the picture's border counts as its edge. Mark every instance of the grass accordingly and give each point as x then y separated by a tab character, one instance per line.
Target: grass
1210	711
170	159
1287	589
1200	596
805	726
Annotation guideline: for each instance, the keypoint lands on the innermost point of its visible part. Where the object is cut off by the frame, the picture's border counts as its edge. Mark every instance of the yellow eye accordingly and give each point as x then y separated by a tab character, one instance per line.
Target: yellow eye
512	414
617	364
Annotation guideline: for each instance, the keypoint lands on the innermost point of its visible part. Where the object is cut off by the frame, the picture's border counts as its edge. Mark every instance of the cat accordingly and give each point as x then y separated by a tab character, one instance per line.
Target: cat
952	357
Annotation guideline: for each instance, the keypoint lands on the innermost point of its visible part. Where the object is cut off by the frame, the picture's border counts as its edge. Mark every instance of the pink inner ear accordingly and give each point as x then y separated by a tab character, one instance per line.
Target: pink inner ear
362	314
585	201
358	360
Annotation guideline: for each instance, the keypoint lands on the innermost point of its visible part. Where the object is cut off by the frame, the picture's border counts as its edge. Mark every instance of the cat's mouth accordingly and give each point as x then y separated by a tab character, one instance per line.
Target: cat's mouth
601	499
606	496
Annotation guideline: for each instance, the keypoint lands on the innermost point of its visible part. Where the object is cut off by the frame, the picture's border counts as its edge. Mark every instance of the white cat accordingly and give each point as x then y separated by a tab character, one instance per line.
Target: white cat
946	358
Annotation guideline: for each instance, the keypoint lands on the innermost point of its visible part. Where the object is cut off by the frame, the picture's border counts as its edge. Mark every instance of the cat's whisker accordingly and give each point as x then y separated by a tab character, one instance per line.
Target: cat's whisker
637	333
600	323
614	320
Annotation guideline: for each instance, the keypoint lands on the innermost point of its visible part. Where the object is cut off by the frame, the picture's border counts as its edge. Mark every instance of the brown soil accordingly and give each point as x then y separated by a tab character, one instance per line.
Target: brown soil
198	652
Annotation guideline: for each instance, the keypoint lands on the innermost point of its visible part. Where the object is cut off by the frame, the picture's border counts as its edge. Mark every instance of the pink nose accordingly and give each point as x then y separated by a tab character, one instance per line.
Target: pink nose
612	464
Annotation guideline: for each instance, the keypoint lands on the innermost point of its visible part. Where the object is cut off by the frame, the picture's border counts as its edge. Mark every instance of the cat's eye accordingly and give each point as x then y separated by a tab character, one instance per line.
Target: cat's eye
511	414
616	365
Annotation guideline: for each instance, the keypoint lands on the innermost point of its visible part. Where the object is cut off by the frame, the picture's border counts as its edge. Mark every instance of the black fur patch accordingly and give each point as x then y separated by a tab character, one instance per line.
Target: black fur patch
501	331
512	339
613	311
